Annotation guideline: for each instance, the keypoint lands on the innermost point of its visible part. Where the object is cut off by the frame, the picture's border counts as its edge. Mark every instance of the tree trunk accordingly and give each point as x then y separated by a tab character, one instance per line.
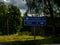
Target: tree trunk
7	26
52	17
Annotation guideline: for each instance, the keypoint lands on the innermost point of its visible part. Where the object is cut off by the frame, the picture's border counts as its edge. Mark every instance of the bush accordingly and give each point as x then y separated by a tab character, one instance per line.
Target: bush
25	33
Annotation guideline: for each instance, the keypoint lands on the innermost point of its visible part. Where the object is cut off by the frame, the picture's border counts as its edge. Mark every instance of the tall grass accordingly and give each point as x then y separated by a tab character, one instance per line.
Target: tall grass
18	36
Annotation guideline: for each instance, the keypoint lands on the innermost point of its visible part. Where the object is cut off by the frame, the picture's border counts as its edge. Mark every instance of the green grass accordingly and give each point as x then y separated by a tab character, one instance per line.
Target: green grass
15	37
27	38
51	40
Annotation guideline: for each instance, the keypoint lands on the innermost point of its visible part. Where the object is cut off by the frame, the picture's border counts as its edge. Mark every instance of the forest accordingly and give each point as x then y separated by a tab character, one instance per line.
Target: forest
11	21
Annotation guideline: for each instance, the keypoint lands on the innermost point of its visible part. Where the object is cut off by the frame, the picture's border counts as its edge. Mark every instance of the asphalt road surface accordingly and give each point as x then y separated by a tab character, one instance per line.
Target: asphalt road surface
50	44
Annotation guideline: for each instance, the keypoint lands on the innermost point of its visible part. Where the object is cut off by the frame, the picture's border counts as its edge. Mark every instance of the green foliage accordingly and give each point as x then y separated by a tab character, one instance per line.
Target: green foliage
10	18
49	8
39	6
24	33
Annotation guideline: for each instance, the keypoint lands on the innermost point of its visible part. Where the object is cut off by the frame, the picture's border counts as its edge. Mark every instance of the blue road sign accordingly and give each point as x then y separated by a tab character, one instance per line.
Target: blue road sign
34	21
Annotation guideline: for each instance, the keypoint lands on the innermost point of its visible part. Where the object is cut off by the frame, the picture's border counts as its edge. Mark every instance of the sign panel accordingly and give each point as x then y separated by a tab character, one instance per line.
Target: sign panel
34	21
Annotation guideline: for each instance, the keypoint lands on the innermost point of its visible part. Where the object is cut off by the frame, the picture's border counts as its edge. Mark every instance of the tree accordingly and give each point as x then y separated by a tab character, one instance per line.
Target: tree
49	8
10	19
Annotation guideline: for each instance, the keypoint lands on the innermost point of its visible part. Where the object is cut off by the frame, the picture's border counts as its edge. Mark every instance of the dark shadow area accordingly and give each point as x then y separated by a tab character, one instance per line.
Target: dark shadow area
32	42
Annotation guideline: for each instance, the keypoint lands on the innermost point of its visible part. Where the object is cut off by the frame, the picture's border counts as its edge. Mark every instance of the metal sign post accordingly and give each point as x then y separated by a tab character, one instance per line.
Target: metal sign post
34	21
34	33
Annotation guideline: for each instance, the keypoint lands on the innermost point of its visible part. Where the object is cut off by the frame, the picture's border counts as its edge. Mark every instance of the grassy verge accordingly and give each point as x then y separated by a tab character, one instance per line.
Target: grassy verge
55	40
18	37
30	39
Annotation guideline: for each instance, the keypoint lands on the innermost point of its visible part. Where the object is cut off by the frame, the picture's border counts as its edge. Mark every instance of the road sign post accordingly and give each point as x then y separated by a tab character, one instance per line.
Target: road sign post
34	21
34	33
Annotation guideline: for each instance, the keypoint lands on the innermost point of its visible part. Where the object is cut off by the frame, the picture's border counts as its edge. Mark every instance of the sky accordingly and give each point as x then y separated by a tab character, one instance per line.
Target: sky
19	3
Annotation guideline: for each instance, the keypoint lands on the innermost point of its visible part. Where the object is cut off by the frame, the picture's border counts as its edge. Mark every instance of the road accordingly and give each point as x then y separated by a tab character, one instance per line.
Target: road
50	44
